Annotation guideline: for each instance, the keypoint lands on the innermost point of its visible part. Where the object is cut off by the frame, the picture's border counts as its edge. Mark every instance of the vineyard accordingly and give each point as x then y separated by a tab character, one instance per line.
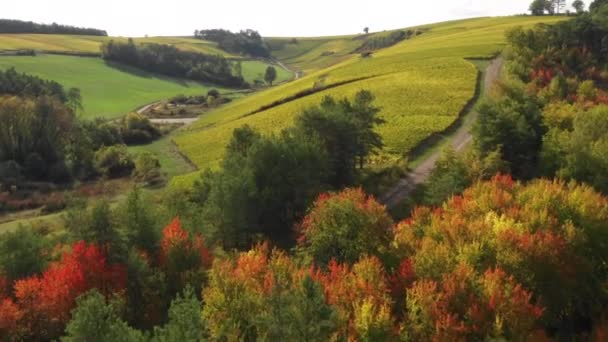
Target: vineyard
421	92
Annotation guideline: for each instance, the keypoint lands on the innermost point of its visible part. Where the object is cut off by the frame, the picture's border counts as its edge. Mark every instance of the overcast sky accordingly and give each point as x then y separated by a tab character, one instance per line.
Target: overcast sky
269	17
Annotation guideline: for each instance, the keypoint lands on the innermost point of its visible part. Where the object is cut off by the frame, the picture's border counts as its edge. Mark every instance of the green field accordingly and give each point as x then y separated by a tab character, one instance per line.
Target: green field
255	70
421	84
107	91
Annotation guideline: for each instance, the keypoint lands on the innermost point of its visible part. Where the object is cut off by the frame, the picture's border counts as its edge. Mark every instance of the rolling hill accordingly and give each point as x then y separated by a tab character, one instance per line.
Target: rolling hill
422	85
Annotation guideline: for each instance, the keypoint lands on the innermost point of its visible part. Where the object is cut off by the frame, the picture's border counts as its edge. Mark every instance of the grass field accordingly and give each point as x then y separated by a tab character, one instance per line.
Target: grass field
107	91
255	70
91	44
421	84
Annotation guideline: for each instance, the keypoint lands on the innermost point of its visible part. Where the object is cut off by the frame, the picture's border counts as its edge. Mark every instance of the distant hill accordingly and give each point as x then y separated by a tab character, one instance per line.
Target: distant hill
19	26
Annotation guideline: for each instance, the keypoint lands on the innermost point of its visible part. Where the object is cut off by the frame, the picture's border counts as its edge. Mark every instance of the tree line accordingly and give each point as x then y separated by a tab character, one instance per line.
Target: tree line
245	42
168	60
19	26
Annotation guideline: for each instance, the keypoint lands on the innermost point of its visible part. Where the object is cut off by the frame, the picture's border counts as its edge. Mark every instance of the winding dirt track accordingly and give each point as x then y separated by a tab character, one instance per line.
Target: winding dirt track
460	139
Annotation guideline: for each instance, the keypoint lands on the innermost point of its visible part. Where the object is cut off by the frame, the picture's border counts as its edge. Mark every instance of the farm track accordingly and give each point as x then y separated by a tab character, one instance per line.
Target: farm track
459	140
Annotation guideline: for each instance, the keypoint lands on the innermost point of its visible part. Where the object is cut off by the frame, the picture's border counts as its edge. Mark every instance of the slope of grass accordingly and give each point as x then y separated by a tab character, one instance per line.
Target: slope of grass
421	84
107	91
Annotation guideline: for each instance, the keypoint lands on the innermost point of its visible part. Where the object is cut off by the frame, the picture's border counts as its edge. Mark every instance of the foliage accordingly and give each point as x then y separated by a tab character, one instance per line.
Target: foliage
23	253
500	229
247	42
14	83
264	187
45	301
94	319
147	168
169	60
344	227
347	130
383	41
266	296
184	320
270	75
19	26
34	134
512	123
114	161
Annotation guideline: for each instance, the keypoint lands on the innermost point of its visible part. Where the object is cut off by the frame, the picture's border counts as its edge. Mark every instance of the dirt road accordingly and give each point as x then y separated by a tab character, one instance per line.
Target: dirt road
460	139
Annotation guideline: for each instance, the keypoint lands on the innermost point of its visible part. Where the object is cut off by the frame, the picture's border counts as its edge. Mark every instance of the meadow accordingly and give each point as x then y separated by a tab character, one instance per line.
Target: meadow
422	85
107	90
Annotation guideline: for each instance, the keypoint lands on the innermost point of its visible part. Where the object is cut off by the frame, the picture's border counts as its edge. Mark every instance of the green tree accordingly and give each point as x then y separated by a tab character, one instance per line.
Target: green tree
94	319
265	185
270	75
184	320
597	4
511	123
147	168
22	253
139	223
538	7
74	100
366	30
579	6
347	130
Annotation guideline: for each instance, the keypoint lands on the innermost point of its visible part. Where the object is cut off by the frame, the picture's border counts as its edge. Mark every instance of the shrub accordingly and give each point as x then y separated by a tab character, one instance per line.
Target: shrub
147	168
113	161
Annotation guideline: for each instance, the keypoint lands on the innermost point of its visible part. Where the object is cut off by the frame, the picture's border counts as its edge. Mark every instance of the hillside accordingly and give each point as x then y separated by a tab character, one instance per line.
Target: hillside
421	84
90	44
107	90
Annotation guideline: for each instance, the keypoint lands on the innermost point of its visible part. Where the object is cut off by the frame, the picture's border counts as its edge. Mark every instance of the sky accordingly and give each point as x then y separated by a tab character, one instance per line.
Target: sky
137	18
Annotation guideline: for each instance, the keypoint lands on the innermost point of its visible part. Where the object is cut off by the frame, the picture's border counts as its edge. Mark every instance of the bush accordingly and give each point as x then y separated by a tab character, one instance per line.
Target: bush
113	161
147	168
10	173
213	93
59	173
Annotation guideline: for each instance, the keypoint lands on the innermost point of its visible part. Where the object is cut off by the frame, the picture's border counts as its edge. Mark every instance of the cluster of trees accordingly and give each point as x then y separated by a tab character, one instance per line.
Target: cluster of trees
14	83
483	266
246	42
383	41
19	26
266	184
41	138
169	60
552	7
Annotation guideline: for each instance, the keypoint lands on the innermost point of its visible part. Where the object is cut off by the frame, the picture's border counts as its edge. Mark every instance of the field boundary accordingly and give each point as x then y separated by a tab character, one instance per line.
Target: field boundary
304	93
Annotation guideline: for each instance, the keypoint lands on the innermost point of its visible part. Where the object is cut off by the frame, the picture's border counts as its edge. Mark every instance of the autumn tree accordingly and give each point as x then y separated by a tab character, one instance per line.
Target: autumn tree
521	238
344	227
183	257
